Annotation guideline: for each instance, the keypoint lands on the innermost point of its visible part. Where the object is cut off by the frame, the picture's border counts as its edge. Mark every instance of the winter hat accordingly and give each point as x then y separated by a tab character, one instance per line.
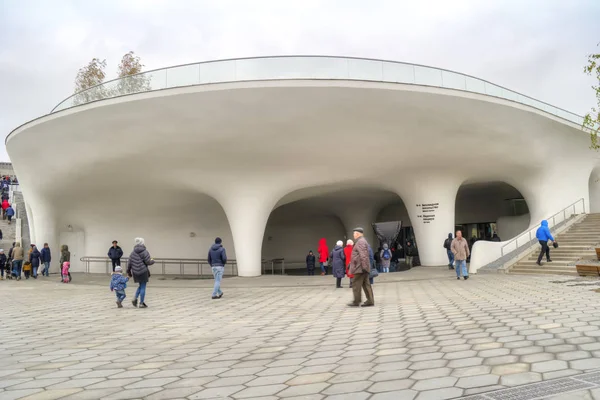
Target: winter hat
139	241
339	243
358	229
118	269
1	250
218	240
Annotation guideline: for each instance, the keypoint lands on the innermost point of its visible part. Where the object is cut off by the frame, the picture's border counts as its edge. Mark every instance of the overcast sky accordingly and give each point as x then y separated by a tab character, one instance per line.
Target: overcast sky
536	47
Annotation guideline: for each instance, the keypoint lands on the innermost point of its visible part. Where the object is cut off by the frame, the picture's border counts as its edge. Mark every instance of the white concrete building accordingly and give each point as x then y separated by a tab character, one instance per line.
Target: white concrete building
273	153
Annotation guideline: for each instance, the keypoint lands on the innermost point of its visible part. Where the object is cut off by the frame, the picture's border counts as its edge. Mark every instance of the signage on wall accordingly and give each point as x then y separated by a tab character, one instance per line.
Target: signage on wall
427	212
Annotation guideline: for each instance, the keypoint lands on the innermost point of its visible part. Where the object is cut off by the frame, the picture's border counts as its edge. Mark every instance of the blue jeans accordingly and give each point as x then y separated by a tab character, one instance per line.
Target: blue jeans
121	294
323	268
17	265
461	264
450	257
218	274
35	272
46	270
141	291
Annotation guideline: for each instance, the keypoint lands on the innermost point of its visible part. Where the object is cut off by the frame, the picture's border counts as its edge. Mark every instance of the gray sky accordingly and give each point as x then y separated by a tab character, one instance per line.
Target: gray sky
536	47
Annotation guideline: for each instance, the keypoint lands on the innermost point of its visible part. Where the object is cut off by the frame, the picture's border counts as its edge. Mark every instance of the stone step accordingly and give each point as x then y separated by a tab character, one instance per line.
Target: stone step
546	268
538	272
532	263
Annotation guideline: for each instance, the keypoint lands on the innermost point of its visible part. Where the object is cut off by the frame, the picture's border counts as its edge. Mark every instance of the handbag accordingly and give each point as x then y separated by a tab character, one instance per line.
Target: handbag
555	244
373	273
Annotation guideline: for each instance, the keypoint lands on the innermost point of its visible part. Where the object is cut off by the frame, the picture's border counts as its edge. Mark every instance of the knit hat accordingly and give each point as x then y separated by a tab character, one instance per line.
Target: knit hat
139	241
118	269
358	229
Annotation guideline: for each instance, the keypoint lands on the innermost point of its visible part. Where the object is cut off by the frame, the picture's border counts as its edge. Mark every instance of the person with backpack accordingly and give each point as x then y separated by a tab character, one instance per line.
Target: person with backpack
448	247
386	258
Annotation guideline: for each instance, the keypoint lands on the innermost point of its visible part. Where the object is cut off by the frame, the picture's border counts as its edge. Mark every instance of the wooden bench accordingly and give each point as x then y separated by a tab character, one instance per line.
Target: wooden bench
588	268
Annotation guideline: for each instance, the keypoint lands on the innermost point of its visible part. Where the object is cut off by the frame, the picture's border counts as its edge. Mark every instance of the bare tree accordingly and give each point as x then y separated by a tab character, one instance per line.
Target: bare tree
86	82
132	79
591	121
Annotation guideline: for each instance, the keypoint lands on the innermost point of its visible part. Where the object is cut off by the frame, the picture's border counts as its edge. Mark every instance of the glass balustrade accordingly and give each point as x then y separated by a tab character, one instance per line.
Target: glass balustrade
302	67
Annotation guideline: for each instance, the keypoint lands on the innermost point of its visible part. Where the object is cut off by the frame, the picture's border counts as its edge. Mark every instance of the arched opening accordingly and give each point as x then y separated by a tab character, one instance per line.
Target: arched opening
493	211
303	217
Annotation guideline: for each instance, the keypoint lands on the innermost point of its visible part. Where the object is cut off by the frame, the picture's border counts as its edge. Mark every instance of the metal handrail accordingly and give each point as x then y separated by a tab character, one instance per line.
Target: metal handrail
200	264
501	91
528	233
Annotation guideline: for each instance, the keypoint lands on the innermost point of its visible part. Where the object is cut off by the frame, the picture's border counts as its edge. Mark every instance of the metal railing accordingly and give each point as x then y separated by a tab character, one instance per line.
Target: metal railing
528	237
168	266
303	67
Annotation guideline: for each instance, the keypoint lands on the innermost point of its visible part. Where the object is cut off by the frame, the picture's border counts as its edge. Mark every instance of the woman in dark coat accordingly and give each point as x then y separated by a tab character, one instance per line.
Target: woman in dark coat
34	259
338	263
137	267
310	263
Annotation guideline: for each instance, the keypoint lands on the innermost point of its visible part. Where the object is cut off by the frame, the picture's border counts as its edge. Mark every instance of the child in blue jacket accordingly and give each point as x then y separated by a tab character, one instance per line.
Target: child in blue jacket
118	284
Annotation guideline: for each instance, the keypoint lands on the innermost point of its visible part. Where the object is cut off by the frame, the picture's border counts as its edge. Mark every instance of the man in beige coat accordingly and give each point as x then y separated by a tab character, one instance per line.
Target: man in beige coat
17	256
360	266
460	249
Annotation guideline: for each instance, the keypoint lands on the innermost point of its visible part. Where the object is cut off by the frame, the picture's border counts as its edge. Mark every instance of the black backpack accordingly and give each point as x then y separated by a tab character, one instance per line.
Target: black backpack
448	243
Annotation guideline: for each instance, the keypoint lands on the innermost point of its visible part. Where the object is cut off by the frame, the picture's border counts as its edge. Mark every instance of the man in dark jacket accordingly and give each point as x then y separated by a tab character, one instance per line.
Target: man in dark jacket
447	246
45	258
115	253
217	258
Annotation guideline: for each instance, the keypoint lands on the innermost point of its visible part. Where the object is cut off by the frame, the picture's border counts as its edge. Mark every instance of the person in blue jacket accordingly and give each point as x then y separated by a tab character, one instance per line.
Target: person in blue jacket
543	235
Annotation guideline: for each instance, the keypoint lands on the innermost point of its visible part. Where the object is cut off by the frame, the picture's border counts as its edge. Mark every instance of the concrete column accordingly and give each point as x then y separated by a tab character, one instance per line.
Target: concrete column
430	201
247	211
46	229
594	188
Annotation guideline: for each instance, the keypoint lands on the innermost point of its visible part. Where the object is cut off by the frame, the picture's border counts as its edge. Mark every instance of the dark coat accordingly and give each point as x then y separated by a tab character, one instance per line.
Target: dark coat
45	255
3	260
34	258
138	263
338	263
217	257
115	253
65	254
311	262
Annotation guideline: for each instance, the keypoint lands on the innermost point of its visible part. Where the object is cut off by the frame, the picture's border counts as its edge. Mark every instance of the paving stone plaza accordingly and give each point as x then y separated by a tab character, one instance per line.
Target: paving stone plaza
428	337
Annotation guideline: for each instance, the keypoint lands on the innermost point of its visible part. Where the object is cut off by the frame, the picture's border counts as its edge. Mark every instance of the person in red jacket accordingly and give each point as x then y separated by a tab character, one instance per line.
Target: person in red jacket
5	205
323	254
348	254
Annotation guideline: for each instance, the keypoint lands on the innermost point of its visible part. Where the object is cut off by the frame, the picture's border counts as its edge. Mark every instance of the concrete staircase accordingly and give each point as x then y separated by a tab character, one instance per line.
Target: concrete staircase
577	243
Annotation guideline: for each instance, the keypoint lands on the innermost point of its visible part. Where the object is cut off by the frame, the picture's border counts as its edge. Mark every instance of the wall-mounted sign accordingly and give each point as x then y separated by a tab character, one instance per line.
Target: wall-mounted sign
427	212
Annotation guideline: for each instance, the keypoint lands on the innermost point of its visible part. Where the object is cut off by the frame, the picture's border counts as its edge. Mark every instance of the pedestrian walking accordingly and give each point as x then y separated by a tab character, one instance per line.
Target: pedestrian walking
338	263
137	268
409	253
45	258
460	250
64	272
217	258
323	251
17	257
115	253
10	213
34	259
3	259
448	247
348	254
386	258
360	266
118	284
65	256
543	235
26	269
311	262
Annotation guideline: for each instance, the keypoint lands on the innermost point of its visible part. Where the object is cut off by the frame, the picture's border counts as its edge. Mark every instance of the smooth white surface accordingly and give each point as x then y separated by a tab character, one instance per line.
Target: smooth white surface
163	164
510	226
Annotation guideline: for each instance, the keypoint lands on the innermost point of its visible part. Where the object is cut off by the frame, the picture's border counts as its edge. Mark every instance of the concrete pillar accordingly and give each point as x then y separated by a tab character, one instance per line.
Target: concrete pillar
594	189
46	229
430	201
247	211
